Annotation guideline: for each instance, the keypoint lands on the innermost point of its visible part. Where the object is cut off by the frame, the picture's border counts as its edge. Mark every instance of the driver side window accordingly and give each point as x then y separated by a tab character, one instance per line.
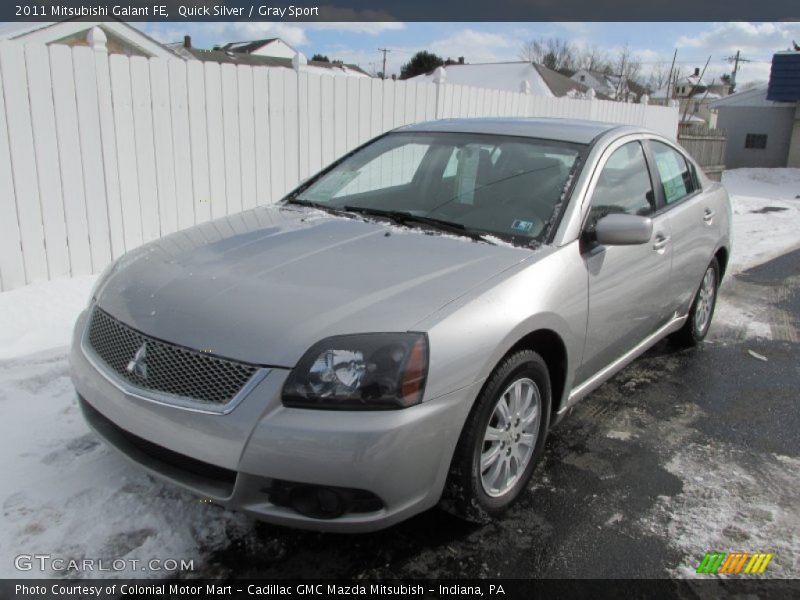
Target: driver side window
624	186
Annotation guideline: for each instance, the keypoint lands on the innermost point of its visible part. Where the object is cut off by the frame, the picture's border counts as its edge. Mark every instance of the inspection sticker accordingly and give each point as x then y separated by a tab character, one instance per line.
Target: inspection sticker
522	226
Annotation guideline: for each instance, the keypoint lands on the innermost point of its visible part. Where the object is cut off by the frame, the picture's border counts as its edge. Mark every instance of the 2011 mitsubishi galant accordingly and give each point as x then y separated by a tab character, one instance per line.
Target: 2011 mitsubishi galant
404	328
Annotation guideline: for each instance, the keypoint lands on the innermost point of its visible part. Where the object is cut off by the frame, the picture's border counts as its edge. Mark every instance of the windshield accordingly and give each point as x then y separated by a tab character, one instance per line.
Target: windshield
510	187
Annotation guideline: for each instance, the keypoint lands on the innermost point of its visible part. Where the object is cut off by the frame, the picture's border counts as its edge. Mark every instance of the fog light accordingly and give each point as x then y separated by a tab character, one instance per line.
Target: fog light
317	502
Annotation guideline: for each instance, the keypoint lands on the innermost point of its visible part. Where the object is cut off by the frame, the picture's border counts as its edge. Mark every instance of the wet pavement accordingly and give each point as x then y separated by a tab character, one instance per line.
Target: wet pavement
683	452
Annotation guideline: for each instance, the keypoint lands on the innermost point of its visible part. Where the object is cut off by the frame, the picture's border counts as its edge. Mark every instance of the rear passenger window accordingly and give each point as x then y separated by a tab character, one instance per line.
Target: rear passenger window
677	180
623	186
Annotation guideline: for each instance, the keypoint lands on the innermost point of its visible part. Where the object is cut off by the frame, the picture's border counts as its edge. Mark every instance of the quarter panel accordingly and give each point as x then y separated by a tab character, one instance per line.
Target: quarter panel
469	337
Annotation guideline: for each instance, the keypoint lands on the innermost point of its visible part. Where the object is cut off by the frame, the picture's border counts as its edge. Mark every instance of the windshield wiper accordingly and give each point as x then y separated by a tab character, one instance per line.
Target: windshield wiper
318	205
404	218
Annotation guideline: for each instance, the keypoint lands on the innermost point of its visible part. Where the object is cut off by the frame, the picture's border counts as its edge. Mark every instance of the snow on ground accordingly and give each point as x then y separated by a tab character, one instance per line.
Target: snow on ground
67	495
747	504
766	206
766	224
40	316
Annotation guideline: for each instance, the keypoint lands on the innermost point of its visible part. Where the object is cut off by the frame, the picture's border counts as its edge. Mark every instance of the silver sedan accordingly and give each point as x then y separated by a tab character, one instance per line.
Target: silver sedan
404	328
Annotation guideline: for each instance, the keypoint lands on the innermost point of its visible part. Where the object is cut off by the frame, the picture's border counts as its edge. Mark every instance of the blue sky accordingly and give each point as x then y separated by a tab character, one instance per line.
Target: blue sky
652	43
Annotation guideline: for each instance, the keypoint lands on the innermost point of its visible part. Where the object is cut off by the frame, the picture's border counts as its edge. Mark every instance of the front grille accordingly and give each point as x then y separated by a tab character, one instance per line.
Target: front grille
163	367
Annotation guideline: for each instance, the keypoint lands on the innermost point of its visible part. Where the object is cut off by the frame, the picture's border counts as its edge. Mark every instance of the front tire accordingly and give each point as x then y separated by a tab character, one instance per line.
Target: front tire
502	441
697	325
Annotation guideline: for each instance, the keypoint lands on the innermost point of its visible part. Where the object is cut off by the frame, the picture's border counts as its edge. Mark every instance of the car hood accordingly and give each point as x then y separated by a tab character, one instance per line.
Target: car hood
264	285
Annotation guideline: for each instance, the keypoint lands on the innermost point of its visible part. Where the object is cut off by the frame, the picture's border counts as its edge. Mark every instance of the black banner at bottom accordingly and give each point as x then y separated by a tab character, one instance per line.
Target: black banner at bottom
510	589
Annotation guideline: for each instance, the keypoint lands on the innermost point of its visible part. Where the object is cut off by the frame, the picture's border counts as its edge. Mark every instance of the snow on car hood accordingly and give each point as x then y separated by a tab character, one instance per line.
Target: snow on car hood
264	285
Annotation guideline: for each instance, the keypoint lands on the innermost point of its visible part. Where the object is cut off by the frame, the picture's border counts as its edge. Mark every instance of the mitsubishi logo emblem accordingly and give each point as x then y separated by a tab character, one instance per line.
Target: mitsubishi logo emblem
137	366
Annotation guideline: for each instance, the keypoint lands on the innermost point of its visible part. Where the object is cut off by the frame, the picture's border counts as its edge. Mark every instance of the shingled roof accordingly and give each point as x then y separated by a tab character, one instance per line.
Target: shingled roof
255	60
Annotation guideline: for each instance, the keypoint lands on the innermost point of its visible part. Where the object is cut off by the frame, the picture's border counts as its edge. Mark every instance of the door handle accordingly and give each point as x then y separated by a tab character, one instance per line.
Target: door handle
661	243
708	216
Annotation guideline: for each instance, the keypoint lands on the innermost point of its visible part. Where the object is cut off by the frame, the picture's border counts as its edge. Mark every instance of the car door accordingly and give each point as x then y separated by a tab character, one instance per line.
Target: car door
627	284
691	218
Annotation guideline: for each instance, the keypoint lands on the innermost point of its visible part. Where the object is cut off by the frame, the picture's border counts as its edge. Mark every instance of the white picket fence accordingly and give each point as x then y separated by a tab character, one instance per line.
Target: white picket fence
99	153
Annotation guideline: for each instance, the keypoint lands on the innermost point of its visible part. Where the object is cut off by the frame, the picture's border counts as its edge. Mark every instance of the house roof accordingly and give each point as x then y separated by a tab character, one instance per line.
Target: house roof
753	98
602	75
254	60
53	31
560	85
509	76
249	46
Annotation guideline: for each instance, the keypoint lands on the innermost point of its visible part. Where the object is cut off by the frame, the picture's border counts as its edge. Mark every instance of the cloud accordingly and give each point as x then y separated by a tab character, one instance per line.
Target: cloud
297	34
477	46
747	37
374	28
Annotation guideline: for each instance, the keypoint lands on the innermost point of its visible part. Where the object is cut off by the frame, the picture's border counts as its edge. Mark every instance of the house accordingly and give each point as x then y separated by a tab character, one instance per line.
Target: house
694	96
519	76
273	47
264	53
763	123
119	37
612	86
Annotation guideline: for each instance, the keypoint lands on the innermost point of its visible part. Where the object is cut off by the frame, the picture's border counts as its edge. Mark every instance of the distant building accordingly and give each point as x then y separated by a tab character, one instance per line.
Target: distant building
119	37
695	96
272	47
763	123
521	76
612	86
272	52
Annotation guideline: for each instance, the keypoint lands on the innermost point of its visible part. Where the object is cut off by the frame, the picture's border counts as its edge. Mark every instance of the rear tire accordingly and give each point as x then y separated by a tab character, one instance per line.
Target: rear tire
502	440
697	325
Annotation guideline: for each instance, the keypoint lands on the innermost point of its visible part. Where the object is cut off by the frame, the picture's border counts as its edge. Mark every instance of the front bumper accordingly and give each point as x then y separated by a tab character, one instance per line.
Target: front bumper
401	456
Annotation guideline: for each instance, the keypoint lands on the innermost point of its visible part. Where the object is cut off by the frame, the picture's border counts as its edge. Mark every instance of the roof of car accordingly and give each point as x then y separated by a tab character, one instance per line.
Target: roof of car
567	130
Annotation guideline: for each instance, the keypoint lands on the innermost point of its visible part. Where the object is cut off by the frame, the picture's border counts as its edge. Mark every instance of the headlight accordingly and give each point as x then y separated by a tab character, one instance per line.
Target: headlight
371	371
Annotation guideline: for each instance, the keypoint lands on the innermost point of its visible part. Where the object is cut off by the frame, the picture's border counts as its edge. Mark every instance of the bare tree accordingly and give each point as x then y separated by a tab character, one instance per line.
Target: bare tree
659	76
553	53
628	68
592	59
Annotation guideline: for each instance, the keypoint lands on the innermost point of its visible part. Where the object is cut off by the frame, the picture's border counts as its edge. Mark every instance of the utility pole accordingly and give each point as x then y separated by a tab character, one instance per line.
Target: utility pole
384	50
669	79
736	60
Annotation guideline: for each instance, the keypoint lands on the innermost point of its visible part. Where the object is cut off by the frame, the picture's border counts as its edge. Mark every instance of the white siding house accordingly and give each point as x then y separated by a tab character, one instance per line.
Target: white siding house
519	76
759	131
120	38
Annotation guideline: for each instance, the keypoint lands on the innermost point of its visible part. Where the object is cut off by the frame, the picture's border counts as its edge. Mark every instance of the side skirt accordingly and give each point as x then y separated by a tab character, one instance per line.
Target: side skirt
607	372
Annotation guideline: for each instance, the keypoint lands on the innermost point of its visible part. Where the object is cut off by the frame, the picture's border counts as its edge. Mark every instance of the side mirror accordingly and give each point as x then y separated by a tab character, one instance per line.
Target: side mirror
624	230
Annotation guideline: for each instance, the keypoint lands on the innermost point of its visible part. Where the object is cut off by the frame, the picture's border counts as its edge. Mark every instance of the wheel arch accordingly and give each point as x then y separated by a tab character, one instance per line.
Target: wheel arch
722	255
551	347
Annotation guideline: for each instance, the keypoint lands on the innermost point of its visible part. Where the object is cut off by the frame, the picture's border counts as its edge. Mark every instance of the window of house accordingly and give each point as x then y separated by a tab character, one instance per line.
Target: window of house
677	180
755	141
583	78
623	186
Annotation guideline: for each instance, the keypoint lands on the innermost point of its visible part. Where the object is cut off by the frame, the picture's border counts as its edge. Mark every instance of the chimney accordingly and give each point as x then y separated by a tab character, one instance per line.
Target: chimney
461	60
697	71
187	42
